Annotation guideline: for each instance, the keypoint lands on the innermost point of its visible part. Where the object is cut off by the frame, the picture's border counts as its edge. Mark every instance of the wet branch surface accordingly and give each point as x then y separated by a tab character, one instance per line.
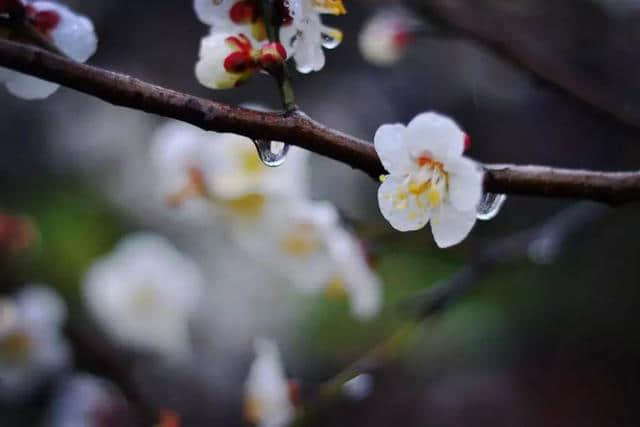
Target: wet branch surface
298	129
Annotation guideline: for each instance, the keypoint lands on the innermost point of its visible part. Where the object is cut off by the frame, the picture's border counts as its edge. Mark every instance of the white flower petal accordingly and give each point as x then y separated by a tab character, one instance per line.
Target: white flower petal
450	226
392	150
465	183
267	388
214	12
30	88
434	135
210	69
402	216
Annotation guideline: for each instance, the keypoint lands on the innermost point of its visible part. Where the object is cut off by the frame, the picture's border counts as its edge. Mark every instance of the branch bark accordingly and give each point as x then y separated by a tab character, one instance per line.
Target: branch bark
298	129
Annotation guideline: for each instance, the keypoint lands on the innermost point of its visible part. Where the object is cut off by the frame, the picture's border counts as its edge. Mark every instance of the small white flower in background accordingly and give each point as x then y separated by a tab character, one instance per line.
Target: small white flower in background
305	36
83	400
73	34
386	36
223	168
268	397
304	242
144	293
32	347
429	178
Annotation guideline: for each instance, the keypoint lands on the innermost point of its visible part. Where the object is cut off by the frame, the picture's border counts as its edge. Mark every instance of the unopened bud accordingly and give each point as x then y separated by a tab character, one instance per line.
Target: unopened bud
272	56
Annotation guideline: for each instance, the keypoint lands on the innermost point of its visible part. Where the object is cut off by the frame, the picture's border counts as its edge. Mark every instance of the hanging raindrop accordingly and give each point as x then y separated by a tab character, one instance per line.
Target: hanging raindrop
329	41
490	206
272	153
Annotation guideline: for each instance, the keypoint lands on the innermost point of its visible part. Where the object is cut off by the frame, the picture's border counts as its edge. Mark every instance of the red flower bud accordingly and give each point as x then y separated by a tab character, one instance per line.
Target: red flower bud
467	142
272	56
44	21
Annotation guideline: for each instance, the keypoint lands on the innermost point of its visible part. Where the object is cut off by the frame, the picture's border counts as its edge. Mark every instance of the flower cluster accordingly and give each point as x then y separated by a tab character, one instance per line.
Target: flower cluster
73	34
429	178
237	45
266	210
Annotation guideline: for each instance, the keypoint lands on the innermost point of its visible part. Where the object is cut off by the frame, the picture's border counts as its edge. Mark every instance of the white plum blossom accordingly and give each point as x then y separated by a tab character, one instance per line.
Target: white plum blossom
304	242
32	347
386	36
225	60
429	178
305	36
223	169
144	294
73	34
268	400
83	400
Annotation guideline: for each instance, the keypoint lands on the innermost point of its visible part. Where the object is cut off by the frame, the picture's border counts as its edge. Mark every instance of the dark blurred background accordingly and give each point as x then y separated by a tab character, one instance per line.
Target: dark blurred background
532	344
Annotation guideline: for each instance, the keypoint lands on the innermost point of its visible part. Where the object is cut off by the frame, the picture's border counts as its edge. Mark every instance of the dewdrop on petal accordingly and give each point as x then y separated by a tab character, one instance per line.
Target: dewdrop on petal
73	34
429	178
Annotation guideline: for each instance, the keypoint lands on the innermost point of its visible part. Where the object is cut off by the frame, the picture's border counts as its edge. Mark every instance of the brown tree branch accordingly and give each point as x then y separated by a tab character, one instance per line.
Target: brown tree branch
298	129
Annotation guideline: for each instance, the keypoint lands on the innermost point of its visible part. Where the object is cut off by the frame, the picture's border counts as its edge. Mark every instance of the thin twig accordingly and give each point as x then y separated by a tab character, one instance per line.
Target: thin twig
298	129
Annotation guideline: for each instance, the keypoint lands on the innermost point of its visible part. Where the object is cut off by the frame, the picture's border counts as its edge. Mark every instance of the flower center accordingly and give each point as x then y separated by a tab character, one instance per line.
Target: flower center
15	347
428	186
336	289
301	242
250	206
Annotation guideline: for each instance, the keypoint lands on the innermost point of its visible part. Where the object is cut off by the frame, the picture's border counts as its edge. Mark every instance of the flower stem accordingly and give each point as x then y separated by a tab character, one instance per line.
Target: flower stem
282	77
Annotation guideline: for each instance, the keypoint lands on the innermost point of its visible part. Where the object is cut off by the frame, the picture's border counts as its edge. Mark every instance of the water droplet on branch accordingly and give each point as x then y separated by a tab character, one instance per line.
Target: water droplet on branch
490	206
272	153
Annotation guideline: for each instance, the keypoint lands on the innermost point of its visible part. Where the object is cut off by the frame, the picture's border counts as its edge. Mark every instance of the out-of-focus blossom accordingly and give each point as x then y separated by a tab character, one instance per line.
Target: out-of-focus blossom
304	242
268	400
429	178
359	387
223	168
386	36
73	34
305	36
17	233
144	294
87	401
32	348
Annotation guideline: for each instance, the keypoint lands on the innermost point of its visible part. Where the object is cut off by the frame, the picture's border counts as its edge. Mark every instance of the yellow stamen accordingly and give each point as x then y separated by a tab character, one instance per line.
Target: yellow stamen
250	205
400	201
434	197
301	242
253	410
249	161
416	188
383	178
335	7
